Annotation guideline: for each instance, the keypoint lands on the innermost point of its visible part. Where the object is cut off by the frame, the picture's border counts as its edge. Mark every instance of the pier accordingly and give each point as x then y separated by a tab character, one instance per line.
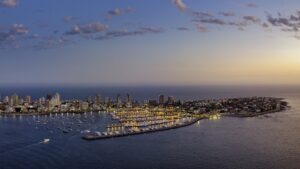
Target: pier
99	136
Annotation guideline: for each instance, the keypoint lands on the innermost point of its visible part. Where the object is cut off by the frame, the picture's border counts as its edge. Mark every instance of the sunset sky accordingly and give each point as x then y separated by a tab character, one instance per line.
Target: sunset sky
149	42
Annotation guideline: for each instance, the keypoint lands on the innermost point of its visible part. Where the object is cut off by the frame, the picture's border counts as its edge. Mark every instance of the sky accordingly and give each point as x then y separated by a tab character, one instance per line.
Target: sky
149	42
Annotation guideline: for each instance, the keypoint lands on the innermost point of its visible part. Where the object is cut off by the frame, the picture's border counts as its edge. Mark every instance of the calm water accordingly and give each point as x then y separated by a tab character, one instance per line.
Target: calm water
233	143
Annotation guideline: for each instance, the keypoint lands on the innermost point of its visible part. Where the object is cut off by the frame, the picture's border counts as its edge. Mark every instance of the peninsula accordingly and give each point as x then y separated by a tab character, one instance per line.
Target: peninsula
132	117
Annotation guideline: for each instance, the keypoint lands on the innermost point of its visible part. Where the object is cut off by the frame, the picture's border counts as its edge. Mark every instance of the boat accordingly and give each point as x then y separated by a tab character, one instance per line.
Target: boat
46	141
86	131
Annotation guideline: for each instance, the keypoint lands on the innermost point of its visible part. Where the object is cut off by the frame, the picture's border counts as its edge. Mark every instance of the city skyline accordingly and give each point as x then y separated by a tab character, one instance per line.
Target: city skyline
130	42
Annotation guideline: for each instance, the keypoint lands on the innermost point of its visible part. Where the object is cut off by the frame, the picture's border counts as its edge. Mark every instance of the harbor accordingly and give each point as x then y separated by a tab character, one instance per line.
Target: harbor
106	135
131	121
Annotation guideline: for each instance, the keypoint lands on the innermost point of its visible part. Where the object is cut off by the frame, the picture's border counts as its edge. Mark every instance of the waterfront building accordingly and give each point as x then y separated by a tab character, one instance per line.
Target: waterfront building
119	100
14	100
42	101
21	101
84	106
98	99
27	99
171	100
6	99
90	99
146	102
152	103
48	104
55	101
161	99
128	100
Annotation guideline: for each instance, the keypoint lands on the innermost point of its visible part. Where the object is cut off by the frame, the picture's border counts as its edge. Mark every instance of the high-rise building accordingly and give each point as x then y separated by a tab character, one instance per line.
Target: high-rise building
90	99
42	101
58	99
21	101
54	101
14	100
119	100
6	99
128	100
161	99
171	100
84	106
27	99
98	99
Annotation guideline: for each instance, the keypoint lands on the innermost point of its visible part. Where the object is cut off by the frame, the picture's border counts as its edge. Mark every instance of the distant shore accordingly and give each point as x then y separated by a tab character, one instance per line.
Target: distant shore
234	107
248	114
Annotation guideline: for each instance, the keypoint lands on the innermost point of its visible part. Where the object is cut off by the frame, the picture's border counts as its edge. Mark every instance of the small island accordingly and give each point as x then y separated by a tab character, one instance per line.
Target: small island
132	117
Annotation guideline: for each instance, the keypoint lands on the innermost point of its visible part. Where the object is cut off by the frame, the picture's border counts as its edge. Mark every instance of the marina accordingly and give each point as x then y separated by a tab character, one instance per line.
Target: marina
105	135
135	121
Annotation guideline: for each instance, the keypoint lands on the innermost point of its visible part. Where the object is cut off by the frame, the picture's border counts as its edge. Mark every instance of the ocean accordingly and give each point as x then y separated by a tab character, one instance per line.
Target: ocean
271	142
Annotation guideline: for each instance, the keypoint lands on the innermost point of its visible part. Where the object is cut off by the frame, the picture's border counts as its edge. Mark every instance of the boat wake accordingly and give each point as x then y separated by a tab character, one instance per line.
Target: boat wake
45	141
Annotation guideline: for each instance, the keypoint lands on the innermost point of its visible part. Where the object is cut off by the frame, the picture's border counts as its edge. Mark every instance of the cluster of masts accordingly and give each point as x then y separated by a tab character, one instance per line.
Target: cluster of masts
132	122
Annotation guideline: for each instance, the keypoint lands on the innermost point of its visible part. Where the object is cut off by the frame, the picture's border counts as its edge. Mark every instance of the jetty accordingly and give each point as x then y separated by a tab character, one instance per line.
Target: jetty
99	136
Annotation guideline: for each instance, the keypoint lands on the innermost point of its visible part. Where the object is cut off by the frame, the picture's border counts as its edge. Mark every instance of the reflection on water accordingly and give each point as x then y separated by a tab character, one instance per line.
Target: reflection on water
261	142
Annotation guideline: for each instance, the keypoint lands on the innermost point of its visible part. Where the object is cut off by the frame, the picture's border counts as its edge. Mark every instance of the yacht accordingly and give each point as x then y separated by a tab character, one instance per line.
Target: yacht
46	141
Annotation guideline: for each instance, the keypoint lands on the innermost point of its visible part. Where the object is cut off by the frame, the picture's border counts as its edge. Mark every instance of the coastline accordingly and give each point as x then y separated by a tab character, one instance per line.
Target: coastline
235	107
247	114
44	114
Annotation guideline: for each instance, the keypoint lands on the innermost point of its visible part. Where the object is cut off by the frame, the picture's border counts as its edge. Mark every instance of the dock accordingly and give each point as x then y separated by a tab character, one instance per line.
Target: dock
96	136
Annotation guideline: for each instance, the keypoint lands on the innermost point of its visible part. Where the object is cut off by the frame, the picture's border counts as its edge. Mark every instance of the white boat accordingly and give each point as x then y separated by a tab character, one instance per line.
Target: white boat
86	131
46	141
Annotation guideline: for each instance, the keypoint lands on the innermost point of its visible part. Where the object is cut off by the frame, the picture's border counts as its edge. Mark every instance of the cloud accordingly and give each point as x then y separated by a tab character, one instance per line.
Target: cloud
125	32
201	28
9	3
206	17
52	42
227	14
253	19
183	29
200	14
265	25
69	18
18	29
115	12
180	5
252	5
119	11
243	24
15	31
287	24
213	21
87	29
241	28
151	30
240	25
297	37
295	29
